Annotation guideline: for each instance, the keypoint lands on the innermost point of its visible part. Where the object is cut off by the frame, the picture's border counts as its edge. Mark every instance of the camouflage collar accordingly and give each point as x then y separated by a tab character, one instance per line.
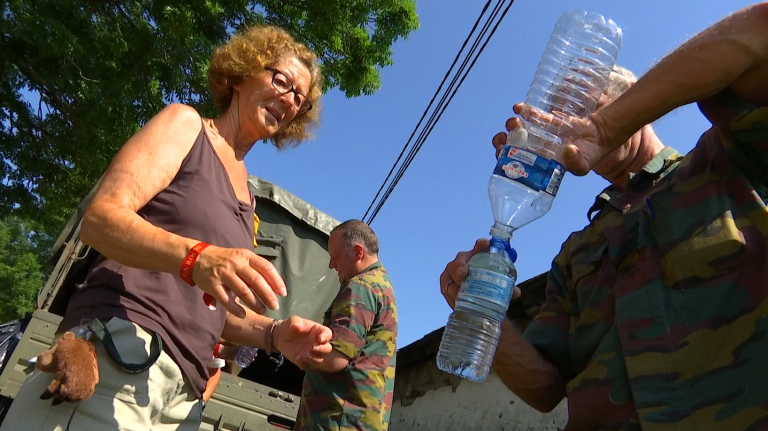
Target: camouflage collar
373	266
657	168
660	163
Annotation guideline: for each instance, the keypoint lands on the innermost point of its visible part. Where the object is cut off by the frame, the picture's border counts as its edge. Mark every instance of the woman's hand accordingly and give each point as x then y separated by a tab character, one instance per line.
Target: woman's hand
226	273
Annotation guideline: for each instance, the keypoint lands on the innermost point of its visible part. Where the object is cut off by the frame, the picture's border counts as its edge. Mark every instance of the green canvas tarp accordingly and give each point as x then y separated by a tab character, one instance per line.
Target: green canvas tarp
294	236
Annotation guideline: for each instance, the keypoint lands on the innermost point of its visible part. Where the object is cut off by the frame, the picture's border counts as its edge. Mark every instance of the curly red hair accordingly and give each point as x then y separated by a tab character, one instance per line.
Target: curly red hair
246	54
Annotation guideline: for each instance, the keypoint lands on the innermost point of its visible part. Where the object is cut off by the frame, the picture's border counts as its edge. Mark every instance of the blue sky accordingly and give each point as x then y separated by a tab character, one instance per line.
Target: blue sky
441	206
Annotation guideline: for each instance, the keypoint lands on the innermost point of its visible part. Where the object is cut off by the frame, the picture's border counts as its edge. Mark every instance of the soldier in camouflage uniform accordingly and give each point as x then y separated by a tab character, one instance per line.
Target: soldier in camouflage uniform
656	313
352	389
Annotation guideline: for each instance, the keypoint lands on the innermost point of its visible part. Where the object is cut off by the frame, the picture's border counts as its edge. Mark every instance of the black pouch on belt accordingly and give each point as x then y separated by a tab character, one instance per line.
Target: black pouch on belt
155	348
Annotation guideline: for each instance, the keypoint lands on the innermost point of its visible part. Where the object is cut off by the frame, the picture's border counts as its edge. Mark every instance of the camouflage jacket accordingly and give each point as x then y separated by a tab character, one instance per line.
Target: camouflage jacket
658	310
363	318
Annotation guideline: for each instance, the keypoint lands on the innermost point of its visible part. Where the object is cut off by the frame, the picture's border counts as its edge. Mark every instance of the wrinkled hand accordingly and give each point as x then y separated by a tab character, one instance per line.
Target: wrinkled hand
456	271
219	271
303	341
586	141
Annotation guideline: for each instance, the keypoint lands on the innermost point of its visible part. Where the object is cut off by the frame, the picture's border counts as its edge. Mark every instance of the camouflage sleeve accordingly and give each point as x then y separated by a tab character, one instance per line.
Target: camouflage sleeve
352	315
548	332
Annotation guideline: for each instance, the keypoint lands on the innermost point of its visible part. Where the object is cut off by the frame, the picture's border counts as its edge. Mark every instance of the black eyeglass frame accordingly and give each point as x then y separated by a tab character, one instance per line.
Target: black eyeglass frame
290	90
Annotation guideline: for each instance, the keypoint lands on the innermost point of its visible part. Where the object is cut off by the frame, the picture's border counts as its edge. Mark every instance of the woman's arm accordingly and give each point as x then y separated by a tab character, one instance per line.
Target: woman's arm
144	167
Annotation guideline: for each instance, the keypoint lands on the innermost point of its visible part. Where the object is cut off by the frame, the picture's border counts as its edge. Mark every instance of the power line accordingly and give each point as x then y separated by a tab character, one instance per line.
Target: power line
442	104
405	147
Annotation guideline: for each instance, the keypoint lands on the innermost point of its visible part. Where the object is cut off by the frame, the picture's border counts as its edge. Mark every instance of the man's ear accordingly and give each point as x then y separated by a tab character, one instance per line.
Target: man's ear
359	252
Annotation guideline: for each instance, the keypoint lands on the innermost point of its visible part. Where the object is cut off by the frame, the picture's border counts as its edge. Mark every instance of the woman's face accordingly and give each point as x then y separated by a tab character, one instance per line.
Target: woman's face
263	110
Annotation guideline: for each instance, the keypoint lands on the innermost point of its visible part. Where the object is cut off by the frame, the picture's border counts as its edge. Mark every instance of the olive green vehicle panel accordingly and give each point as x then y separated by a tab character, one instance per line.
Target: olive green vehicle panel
37	337
292	234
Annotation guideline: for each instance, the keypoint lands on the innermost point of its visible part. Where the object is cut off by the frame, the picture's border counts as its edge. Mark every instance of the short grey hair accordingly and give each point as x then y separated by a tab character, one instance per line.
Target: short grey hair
619	81
357	232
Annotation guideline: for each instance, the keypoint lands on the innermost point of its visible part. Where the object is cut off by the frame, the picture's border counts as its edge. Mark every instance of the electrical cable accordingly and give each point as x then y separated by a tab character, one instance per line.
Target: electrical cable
442	104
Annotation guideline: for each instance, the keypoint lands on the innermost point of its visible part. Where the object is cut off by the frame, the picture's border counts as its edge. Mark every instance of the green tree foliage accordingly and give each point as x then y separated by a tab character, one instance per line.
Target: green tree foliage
79	77
22	248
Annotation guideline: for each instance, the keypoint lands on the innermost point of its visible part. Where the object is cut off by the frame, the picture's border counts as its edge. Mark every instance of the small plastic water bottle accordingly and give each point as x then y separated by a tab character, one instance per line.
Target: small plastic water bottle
568	83
571	76
245	355
473	329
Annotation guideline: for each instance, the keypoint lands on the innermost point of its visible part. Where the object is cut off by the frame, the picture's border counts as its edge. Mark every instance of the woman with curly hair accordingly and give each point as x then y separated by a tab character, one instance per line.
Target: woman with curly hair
173	221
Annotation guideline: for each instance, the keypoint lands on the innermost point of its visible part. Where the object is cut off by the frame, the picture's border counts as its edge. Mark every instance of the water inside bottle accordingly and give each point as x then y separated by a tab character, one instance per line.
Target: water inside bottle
473	329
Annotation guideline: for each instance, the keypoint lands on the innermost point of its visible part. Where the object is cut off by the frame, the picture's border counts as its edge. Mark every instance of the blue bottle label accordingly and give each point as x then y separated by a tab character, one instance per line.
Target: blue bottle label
488	285
530	169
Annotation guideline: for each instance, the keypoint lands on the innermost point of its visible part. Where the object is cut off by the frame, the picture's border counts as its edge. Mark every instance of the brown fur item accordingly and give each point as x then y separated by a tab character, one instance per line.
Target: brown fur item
75	367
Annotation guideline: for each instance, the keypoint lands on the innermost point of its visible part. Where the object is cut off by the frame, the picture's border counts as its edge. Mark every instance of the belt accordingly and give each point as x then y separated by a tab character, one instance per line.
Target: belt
155	348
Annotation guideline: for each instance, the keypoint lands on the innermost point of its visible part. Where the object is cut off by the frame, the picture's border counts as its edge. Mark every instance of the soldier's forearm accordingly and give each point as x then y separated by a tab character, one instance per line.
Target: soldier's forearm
732	52
332	363
526	372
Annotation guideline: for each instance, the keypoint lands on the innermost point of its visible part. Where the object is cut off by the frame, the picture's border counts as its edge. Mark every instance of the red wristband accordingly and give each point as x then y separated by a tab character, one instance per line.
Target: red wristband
189	262
209	301
217	349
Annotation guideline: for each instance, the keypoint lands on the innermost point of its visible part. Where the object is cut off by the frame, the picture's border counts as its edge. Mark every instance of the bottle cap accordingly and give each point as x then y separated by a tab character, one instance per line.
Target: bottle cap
512	254
504	245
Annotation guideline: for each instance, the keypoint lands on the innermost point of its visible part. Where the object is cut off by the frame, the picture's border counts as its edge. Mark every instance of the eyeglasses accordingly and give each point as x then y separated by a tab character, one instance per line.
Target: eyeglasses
283	85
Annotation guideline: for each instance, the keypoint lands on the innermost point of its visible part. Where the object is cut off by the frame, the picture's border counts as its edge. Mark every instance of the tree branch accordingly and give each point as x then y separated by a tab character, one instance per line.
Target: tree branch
39	83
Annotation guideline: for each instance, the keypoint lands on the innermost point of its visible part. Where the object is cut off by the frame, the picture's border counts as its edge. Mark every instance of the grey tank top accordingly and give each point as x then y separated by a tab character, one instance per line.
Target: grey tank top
200	203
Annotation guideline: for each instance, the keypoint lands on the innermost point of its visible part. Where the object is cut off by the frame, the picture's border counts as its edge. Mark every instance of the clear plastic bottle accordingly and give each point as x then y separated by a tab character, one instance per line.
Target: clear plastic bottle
571	76
245	355
473	329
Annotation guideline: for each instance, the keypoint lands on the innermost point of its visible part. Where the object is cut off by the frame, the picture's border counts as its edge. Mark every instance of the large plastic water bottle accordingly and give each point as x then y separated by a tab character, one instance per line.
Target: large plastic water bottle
473	329
571	77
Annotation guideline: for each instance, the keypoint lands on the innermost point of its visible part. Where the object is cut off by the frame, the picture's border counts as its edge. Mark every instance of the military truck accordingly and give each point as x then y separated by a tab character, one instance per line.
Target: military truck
292	234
